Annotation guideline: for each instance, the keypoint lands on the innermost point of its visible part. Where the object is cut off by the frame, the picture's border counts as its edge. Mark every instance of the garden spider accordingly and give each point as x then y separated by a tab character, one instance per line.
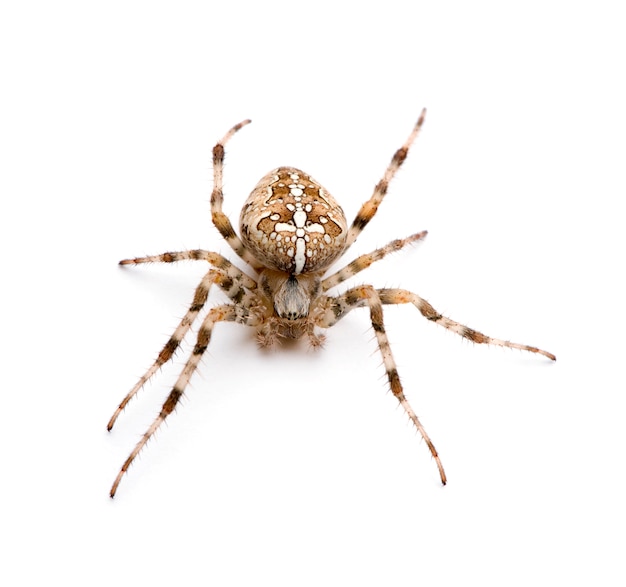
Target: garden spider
292	230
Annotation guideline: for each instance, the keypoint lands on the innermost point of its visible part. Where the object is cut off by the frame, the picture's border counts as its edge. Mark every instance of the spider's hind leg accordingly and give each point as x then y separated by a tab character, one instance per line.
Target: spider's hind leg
220	220
368	210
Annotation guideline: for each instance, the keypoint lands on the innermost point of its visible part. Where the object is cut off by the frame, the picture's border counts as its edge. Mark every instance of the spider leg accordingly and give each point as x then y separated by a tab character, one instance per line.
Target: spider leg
367	211
366	295
232	283
220	220
214	259
401	296
223	313
364	261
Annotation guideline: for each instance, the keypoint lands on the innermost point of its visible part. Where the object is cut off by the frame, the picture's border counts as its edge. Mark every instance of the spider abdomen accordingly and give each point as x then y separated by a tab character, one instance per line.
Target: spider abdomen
291	223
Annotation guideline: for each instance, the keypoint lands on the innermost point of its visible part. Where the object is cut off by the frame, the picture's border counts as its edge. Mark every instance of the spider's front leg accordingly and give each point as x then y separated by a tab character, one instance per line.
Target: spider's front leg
231	280
224	313
402	296
366	295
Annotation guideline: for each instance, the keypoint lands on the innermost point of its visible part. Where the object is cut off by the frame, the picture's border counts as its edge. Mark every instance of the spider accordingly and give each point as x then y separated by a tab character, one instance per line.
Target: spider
292	230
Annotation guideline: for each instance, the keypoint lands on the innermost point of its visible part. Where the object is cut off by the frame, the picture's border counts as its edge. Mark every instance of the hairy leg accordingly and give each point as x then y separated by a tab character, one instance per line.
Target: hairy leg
368	210
401	296
214	259
224	313
220	220
232	285
366	295
364	261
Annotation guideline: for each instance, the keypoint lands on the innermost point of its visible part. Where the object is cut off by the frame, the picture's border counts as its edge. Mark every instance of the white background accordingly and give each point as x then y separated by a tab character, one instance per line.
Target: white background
293	467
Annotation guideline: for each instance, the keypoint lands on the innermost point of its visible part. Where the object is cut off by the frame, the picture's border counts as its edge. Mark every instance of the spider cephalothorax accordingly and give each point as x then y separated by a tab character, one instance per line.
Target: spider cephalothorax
292	230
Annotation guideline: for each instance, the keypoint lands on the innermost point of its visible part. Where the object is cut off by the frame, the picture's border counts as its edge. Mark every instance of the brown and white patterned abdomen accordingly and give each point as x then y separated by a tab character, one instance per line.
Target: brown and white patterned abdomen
292	224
